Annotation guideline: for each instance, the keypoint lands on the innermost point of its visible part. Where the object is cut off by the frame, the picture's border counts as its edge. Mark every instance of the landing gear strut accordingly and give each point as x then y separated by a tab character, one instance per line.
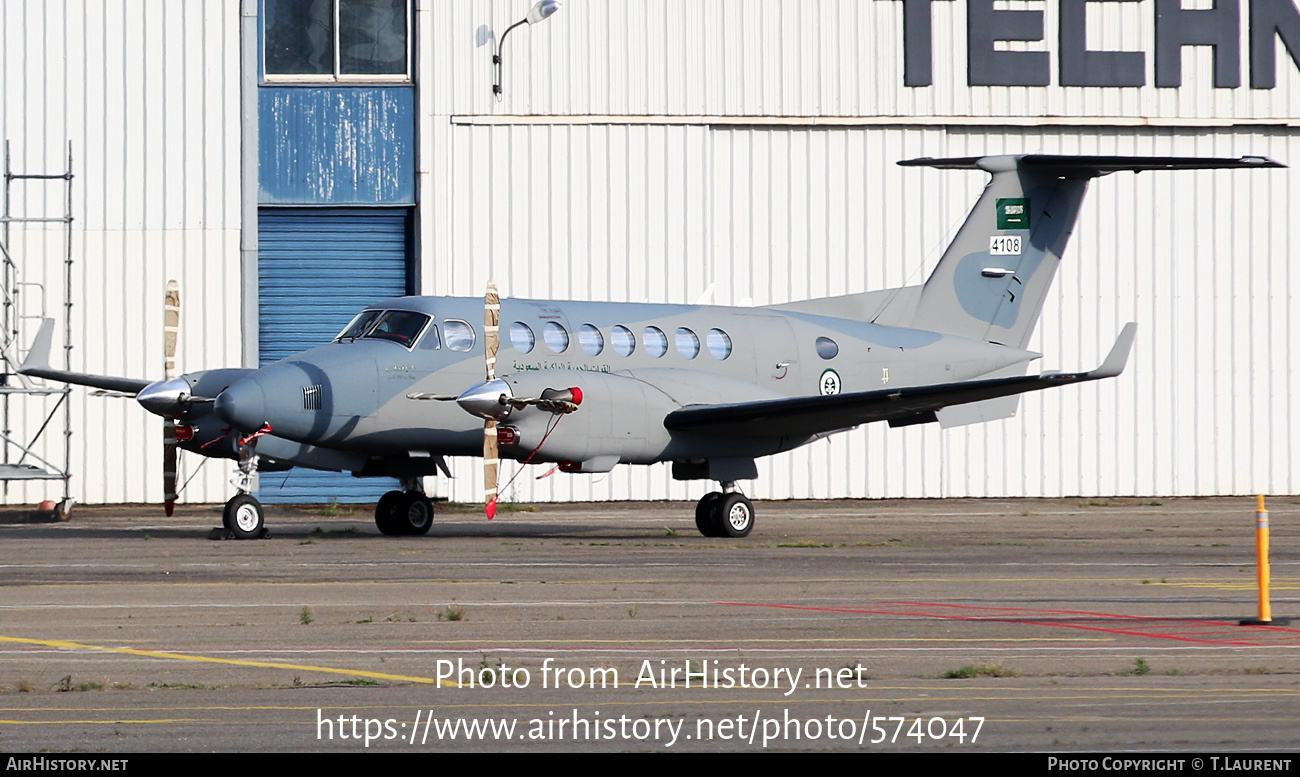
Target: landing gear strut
243	517
727	513
407	512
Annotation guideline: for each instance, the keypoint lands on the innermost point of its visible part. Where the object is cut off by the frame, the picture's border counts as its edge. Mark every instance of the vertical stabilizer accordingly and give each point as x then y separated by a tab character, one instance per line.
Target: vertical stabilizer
992	281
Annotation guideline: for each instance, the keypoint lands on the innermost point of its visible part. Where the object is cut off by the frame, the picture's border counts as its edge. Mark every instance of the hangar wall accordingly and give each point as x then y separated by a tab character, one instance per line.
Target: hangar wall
147	92
661	150
657	150
773	214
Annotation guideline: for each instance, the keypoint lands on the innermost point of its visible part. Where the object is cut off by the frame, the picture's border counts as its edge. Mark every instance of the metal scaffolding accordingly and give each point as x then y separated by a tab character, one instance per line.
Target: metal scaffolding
24	306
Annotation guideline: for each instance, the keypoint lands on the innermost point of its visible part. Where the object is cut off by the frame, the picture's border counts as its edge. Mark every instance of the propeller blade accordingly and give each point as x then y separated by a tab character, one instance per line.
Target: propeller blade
491	341
490	467
491	327
435	397
171	330
170	456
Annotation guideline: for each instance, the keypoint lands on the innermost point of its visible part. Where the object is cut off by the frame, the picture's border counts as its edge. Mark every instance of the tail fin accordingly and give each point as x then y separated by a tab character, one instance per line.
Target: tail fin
992	281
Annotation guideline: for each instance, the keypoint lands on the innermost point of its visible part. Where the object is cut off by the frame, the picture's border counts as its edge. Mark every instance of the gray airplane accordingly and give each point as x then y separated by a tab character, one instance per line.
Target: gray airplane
589	385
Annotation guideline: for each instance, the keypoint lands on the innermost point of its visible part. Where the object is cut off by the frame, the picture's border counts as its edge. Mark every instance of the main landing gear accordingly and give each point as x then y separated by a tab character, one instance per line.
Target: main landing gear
405	512
243	517
727	513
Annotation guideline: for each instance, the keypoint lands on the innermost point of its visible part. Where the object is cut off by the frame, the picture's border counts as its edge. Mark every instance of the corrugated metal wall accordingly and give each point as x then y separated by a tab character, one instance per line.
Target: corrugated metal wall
655	150
147	91
656	165
824	58
772	214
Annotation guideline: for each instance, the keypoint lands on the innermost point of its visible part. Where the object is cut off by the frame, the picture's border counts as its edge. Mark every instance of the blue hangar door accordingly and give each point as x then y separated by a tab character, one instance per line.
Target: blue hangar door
317	268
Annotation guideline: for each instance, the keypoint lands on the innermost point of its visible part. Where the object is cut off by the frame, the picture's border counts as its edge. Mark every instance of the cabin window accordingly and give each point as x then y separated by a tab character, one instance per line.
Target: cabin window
522	337
591	340
359	325
719	343
827	348
623	340
688	344
399	326
557	337
459	335
656	342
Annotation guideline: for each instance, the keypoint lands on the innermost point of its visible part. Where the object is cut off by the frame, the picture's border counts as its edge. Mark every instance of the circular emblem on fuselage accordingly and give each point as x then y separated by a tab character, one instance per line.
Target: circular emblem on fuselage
829	383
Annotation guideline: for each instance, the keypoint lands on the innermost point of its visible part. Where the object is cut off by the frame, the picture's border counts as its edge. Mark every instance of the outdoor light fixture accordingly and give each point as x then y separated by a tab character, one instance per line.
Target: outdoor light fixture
543	9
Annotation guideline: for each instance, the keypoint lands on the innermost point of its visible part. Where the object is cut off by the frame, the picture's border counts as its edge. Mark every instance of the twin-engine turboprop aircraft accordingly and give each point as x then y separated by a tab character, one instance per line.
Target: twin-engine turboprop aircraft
590	385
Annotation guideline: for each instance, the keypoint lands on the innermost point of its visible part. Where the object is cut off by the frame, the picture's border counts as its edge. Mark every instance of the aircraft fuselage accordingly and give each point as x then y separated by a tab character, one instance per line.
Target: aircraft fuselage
634	364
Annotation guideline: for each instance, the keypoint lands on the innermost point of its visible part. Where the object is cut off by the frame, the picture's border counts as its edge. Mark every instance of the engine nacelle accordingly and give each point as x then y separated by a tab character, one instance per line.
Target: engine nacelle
594	437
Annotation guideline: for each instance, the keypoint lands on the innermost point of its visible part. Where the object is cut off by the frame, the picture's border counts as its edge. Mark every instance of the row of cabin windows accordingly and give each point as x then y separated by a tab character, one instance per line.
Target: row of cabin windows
404	327
621	339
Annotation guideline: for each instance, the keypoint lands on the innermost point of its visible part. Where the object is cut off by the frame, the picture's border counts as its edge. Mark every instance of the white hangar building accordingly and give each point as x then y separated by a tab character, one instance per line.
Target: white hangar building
289	161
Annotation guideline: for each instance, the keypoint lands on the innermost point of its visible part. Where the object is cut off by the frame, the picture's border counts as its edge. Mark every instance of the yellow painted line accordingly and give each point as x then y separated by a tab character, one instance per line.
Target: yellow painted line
231	661
113	722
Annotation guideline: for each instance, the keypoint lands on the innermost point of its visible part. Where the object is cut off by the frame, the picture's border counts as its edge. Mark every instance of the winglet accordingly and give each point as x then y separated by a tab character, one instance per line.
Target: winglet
1118	356
38	358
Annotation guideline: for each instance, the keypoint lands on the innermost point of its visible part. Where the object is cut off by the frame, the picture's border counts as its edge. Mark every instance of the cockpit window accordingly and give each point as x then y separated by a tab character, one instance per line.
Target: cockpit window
458	334
359	325
399	326
430	341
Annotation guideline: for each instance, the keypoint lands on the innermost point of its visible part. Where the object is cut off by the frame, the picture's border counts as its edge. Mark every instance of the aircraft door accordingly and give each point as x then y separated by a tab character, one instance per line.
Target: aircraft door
776	353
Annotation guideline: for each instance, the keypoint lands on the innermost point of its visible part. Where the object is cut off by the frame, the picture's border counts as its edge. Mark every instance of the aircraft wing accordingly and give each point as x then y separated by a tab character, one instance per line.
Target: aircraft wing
802	416
37	365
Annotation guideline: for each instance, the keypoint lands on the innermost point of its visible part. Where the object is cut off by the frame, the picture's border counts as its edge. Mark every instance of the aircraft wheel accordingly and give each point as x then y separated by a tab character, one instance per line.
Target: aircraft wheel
706	516
243	517
735	515
414	513
384	513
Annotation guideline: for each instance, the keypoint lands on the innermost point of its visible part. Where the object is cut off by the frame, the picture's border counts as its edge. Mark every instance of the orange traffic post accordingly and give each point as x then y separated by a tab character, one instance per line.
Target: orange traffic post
1261	565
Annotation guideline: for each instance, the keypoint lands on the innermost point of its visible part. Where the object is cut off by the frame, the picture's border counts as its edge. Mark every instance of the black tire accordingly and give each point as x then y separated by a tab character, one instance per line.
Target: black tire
706	517
414	514
735	515
384	513
243	517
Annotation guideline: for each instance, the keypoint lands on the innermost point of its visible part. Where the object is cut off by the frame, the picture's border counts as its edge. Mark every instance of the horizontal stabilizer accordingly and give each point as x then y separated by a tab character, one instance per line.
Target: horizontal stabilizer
807	416
1093	166
37	365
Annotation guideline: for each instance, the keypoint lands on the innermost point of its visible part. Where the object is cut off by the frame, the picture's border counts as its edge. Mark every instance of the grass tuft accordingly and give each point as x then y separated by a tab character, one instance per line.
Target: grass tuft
980	670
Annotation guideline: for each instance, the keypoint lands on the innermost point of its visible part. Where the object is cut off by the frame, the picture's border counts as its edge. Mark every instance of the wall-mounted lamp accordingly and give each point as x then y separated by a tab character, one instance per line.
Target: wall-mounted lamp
543	9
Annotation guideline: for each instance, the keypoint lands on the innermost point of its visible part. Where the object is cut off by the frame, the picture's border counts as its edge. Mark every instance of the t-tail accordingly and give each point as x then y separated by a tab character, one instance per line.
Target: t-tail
992	281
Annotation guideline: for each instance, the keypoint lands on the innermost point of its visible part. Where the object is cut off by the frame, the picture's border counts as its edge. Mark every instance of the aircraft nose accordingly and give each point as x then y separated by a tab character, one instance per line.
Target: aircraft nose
242	405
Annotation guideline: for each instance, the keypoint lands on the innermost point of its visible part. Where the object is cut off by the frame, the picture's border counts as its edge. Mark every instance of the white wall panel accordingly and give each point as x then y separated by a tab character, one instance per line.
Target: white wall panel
773	214
147	92
624	189
815	58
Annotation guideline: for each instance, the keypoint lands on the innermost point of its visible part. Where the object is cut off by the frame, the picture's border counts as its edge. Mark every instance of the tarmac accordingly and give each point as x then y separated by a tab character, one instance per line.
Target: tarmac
1054	626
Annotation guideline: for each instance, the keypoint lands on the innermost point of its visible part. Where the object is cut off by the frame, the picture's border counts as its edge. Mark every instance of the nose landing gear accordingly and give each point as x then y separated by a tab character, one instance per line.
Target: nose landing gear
243	516
727	513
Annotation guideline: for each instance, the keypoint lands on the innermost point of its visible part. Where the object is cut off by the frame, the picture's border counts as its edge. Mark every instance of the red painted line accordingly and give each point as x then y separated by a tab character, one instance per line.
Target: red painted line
1022	621
1117	616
